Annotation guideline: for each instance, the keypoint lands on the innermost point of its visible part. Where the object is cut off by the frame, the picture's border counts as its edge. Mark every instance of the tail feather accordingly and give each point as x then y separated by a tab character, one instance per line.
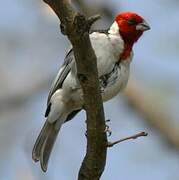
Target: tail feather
47	146
46	139
44	144
40	141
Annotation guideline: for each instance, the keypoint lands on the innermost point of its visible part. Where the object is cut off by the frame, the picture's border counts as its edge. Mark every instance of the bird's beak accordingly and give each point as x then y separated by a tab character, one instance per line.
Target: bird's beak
143	26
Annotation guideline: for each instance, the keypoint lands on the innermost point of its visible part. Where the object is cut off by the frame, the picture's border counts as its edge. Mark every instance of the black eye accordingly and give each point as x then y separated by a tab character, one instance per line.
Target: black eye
132	22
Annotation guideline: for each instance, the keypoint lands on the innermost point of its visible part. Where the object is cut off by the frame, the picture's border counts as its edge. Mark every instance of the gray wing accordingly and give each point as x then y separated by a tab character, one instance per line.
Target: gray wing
62	74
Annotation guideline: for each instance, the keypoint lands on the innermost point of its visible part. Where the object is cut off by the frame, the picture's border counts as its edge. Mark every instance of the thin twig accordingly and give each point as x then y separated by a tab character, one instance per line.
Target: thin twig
111	144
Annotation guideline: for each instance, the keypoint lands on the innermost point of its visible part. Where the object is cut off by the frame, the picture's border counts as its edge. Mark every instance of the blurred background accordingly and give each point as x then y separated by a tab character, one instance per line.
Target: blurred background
31	52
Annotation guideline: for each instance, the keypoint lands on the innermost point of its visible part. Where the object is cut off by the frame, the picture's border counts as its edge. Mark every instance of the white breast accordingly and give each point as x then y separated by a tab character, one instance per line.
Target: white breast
107	49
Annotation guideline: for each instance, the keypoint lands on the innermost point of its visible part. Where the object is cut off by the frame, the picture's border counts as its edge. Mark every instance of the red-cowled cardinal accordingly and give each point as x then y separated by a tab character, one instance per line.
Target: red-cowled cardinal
113	48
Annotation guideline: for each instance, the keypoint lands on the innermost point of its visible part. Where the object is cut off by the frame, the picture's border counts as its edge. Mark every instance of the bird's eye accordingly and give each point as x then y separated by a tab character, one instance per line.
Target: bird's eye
132	22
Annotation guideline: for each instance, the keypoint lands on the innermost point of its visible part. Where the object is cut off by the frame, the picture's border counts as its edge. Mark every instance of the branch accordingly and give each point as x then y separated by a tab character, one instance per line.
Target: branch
76	27
111	144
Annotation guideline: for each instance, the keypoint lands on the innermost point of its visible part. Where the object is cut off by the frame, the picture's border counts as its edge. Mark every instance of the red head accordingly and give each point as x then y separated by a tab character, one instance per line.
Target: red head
131	26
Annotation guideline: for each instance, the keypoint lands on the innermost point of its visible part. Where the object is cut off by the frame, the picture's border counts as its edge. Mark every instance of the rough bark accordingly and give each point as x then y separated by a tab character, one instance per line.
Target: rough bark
76	27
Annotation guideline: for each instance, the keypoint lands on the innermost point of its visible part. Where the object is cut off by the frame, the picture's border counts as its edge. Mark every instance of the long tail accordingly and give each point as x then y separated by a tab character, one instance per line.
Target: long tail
46	139
44	144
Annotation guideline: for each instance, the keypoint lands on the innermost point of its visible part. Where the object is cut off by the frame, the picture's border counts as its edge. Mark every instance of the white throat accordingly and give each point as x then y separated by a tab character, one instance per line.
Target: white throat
114	29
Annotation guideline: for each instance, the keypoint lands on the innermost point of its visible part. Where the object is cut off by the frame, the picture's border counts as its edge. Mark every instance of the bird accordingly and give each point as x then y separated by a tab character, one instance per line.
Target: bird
114	51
